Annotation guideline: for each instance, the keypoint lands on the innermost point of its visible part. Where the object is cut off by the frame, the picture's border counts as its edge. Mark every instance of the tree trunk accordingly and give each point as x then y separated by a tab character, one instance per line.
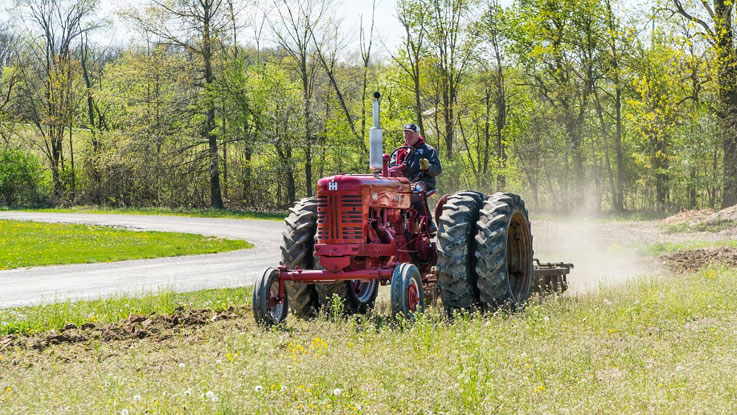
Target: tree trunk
727	78
619	200
216	200
308	131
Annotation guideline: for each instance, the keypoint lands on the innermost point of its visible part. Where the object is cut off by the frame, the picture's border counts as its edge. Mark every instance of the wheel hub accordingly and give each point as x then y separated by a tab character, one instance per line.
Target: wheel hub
413	296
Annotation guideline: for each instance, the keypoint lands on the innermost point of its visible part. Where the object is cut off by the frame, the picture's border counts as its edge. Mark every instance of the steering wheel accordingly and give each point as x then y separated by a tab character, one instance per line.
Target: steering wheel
406	158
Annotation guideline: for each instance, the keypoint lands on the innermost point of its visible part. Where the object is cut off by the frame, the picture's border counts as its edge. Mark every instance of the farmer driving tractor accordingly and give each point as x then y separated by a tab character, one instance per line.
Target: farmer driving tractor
422	163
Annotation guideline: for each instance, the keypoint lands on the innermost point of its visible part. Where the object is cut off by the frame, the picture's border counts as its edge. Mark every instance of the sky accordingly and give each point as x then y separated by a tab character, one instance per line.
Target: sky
388	32
387	29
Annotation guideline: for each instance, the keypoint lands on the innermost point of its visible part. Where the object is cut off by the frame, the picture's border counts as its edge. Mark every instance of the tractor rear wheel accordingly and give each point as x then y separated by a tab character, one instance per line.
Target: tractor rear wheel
504	251
298	241
407	297
456	262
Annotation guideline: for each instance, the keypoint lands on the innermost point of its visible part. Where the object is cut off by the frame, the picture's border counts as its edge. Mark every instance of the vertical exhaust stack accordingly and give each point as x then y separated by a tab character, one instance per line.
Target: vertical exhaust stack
376	140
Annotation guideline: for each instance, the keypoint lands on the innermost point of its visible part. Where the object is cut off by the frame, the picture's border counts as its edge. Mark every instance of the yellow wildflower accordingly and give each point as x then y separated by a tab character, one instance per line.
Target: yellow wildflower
540	388
8	389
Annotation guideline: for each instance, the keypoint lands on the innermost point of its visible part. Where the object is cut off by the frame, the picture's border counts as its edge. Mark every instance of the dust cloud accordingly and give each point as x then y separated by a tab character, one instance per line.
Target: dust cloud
604	253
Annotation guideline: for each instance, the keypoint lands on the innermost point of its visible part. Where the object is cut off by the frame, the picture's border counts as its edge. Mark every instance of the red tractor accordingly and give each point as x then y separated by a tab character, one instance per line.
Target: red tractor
361	231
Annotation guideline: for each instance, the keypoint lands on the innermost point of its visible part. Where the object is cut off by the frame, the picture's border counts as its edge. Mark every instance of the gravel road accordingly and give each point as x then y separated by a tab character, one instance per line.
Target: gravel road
28	286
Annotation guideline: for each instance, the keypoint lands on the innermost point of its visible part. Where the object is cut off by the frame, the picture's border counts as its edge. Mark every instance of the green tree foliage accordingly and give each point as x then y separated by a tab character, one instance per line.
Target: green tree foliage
577	105
21	178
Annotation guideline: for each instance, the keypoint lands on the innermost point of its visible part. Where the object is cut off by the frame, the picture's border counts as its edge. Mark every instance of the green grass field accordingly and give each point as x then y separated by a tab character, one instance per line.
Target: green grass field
26	244
717	226
660	248
655	345
192	212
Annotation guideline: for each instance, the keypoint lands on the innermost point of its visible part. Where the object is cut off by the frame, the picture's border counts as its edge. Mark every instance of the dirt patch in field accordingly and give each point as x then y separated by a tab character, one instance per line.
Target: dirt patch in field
694	259
152	326
688	216
705	220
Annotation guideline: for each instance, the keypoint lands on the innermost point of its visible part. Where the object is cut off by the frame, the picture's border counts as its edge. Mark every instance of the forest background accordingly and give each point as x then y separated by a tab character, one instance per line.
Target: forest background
577	105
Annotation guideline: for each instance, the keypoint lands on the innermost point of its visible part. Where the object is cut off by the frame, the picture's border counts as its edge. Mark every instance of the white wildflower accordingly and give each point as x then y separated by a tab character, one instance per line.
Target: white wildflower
123	412
217	362
210	394
679	368
188	392
283	388
607	302
259	388
182	365
337	391
137	398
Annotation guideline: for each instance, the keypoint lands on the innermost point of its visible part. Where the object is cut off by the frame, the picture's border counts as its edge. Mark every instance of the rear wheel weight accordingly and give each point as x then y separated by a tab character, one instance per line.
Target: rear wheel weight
267	311
407	296
504	251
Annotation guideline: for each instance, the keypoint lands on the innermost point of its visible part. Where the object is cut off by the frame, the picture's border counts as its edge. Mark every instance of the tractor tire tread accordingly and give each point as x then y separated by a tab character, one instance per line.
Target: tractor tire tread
298	240
491	250
456	246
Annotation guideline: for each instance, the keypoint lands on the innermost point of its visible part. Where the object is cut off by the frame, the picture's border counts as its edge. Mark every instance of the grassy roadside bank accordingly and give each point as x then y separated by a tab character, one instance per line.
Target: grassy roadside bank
666	345
26	244
54	316
191	212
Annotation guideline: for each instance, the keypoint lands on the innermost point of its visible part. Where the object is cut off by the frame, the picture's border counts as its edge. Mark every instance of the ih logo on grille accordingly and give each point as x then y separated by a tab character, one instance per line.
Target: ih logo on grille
333	186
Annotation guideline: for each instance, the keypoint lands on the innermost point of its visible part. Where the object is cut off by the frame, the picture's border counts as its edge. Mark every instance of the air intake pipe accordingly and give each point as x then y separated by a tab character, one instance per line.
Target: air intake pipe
376	140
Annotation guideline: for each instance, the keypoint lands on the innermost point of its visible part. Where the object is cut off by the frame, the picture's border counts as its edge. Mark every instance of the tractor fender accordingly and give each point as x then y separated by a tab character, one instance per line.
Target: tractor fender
439	208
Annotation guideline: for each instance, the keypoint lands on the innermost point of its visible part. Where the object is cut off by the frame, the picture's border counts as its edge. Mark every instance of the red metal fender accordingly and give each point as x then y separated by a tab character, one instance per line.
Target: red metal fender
439	208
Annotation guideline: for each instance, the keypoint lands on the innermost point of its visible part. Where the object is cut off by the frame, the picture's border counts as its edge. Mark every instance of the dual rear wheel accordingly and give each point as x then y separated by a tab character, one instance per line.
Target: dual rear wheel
484	252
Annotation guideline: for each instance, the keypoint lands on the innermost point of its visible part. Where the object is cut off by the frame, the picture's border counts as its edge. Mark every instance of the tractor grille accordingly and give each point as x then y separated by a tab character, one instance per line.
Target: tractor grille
339	218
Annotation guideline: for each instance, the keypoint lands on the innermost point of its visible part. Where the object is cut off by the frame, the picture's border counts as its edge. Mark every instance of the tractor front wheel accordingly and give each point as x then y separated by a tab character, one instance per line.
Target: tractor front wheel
357	296
362	295
267	310
407	296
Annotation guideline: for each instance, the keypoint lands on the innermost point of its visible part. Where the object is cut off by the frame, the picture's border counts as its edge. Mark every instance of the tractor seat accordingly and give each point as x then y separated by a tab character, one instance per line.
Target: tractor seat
431	192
